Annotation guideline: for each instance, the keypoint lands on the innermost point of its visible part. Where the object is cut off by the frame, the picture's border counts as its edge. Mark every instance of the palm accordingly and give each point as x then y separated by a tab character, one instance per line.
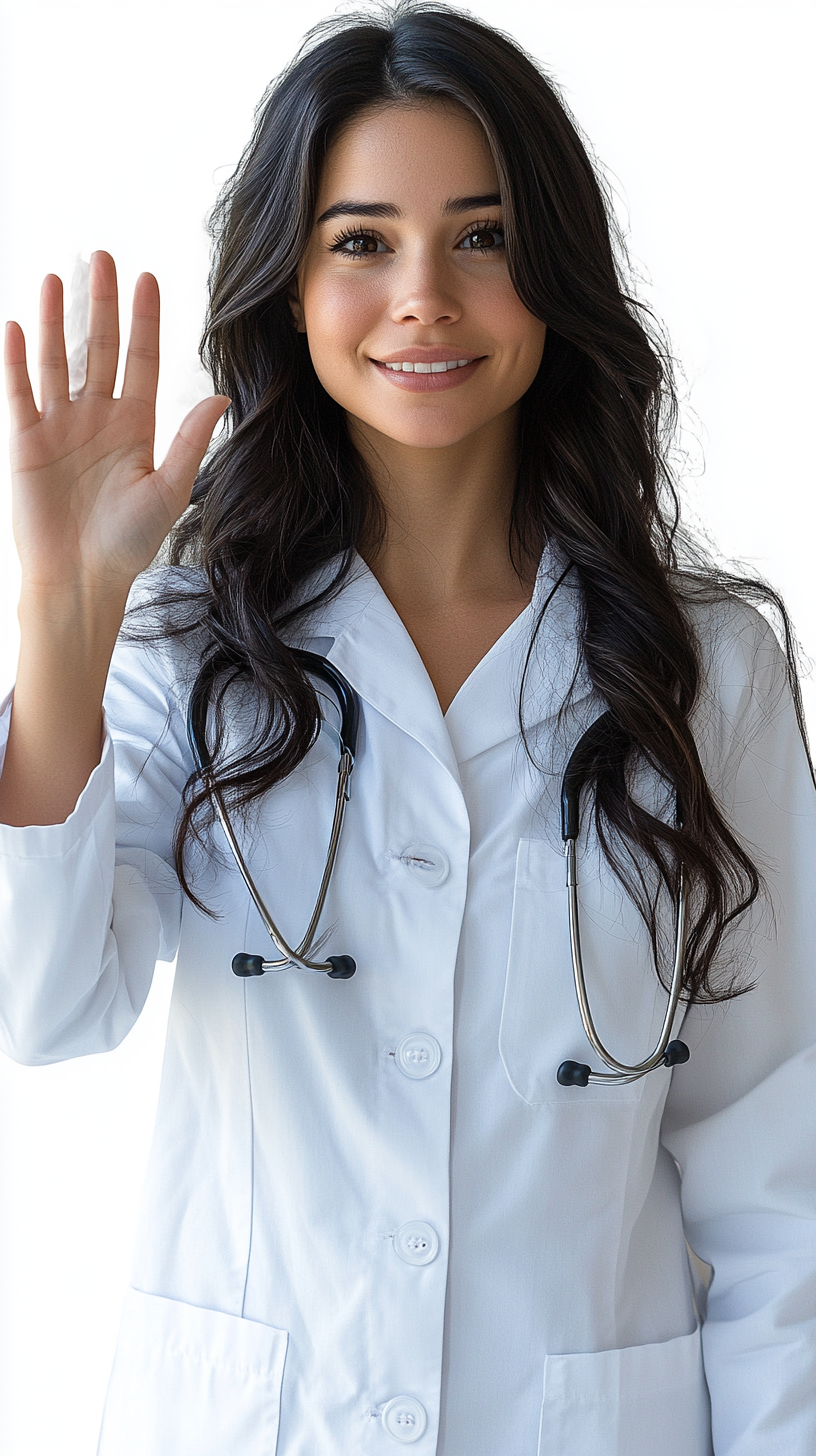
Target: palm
88	505
85	493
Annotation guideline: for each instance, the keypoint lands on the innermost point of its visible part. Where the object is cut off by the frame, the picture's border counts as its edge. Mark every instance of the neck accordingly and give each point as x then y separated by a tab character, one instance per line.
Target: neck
447	510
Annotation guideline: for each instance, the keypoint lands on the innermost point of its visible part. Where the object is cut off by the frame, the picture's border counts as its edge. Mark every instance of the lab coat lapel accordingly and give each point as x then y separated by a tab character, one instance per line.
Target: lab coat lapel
373	649
485	711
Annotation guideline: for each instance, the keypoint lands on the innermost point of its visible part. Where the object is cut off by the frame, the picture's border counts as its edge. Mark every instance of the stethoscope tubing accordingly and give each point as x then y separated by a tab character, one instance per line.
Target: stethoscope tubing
665	1053
297	958
621	1071
337	967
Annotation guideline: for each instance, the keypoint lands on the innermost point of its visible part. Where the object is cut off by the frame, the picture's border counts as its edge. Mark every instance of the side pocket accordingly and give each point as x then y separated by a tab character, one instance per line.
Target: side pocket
627	1402
192	1382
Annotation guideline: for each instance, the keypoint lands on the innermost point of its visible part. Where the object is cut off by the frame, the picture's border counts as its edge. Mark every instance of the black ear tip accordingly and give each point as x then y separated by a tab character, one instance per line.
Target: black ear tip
247	965
676	1052
342	967
573	1074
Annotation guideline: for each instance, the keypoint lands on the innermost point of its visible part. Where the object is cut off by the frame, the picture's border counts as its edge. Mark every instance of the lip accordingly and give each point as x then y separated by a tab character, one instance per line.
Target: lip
431	354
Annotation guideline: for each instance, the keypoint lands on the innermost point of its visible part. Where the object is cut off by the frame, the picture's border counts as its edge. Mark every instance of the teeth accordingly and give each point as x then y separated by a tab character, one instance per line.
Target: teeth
439	368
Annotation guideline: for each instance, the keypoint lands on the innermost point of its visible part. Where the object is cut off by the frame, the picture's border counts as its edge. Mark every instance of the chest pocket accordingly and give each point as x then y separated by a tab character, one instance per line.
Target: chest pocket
541	1024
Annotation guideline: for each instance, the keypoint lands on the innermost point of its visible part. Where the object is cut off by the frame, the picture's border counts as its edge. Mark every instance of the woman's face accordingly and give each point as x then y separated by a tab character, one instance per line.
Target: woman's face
405	277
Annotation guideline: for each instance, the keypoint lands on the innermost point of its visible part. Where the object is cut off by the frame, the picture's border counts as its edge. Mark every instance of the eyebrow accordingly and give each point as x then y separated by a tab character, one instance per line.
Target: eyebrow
347	207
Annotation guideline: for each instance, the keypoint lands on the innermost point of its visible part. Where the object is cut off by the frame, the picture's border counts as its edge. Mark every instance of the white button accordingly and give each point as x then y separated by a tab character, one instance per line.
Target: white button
416	1243
405	1419
429	864
418	1055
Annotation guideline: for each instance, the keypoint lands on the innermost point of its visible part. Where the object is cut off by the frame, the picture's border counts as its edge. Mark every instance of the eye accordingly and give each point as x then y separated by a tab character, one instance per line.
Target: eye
357	244
486	237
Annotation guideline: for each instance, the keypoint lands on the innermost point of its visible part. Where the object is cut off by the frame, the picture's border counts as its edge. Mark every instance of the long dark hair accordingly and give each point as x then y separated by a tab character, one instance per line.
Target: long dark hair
283	491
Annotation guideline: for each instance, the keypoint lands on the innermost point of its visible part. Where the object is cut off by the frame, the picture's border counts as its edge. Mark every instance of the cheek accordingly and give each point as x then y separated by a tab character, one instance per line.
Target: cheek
337	312
507	319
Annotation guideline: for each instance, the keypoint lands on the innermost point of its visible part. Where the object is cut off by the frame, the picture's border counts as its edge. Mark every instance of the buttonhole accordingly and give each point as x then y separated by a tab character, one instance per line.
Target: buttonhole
409	859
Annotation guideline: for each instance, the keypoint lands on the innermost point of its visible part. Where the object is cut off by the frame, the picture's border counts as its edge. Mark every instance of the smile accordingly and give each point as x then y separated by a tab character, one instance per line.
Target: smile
427	375
438	368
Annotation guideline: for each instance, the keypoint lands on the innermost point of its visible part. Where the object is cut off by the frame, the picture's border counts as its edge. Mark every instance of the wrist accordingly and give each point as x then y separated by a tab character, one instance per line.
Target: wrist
87	610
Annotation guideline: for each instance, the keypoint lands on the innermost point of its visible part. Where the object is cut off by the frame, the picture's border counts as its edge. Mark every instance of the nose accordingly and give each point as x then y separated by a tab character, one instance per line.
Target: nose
424	293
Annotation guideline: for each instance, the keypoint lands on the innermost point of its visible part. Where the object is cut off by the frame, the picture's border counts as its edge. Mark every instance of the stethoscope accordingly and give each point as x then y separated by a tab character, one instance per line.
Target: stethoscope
667	1053
340	967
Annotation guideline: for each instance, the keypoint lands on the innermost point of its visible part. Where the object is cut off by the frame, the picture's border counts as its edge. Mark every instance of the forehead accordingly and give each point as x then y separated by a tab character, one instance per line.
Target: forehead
417	152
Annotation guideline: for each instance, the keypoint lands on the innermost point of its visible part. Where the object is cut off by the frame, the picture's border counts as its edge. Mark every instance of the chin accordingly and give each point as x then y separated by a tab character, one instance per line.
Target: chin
428	434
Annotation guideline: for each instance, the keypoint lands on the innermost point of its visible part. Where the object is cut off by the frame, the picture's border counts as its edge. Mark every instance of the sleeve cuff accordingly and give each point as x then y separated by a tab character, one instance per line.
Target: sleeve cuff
51	841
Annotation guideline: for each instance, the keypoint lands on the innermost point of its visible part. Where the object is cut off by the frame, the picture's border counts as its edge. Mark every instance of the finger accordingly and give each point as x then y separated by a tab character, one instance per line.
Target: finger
142	364
52	361
23	410
103	326
178	470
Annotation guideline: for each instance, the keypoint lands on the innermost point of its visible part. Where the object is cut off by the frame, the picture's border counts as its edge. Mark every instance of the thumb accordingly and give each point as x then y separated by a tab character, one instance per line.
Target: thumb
179	468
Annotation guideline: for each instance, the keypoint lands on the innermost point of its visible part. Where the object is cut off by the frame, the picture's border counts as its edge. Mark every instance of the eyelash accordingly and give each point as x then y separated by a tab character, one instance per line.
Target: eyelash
488	225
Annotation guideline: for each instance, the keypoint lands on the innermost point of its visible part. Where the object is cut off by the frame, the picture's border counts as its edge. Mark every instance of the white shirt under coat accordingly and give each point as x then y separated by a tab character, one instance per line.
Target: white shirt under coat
372	1216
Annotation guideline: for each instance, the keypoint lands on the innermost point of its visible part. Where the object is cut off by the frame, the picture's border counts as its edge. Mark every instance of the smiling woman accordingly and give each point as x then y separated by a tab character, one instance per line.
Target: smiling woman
377	1211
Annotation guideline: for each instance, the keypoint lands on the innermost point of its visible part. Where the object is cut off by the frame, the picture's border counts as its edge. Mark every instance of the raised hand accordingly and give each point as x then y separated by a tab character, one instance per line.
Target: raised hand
90	510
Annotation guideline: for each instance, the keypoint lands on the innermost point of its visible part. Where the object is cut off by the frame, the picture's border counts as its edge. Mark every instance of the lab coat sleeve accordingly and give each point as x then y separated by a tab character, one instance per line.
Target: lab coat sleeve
88	906
740	1120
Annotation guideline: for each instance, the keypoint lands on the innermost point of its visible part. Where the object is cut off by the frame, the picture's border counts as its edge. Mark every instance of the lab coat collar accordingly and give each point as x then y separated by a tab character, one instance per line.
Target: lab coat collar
362	634
485	711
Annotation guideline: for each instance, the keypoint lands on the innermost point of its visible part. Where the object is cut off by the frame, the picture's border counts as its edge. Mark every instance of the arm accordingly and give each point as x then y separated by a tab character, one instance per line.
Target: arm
79	934
741	1116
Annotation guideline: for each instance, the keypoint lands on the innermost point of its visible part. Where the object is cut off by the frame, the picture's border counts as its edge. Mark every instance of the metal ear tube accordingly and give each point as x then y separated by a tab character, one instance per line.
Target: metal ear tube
342	967
667	1053
339	967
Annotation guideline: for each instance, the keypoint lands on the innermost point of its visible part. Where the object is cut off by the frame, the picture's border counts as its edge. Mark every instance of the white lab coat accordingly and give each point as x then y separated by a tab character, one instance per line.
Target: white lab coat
372	1216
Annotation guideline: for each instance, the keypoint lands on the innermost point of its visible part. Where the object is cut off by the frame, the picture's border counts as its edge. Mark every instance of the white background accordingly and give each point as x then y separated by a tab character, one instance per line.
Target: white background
120	121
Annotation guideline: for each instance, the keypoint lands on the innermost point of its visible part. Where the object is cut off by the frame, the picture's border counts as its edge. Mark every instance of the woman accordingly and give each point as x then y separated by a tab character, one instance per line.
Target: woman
374	1214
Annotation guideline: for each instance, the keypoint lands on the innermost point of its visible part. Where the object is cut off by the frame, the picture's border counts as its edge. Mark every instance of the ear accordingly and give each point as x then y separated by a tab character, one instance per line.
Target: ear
296	306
